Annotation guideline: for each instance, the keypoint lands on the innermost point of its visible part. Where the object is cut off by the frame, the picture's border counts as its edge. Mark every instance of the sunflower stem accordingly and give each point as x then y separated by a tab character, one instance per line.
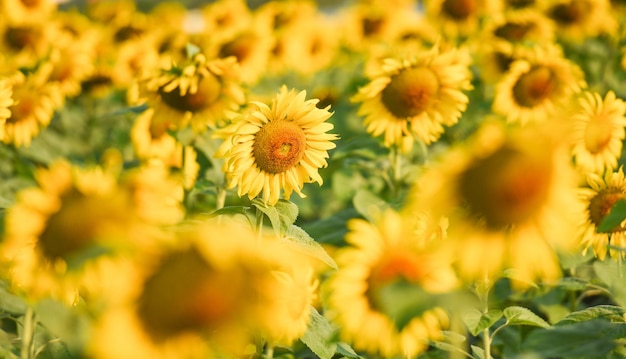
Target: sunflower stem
259	224
269	352
220	199
396	167
28	333
483	293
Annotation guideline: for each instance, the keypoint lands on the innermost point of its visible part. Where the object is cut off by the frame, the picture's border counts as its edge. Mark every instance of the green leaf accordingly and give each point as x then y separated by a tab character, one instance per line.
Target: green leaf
307	245
10	302
318	334
287	212
452	342
270	212
331	230
478	321
230	210
522	316
613	275
478	352
72	327
347	351
615	217
588	338
369	205
612	313
191	50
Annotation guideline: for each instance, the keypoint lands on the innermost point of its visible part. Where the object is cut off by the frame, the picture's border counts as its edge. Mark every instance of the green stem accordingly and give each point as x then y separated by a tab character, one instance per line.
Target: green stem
220	199
483	293
269	352
28	328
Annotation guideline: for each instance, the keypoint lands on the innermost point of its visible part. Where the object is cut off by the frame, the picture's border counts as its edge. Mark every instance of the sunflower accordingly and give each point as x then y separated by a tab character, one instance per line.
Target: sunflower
577	20
34	103
6	100
599	197
151	139
414	98
382	256
509	195
278	147
460	18
49	250
224	18
519	27
202	297
538	86
597	129
27	11
199	92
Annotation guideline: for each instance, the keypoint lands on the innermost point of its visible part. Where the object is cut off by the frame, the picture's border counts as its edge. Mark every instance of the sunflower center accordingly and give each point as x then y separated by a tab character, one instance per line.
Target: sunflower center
209	88
513	32
503	61
534	87
278	146
410	92
21	109
520	3
240	47
31	3
598	135
602	203
459	9
185	294
394	290
19	38
570	13
372	25
80	222
506	188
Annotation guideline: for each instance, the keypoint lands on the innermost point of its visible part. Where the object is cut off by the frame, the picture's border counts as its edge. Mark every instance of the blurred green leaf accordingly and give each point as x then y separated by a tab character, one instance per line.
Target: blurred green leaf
478	352
72	327
9	302
270	212
613	275
309	246
331	230
369	205
612	313
516	315
318	336
287	212
477	321
575	340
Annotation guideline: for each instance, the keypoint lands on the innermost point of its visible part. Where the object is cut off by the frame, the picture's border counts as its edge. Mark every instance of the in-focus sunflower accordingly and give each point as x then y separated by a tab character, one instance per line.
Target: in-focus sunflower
597	129
276	147
382	257
201	297
198	92
34	103
45	244
599	197
510	197
538	86
414	98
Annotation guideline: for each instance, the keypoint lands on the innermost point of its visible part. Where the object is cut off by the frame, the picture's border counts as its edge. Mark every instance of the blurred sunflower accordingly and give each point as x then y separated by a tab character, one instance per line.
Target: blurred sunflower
538	86
460	18
599	197
597	129
199	92
21	12
6	100
414	98
577	20
49	251
225	18
382	257
151	139
510	197
34	103
276	147
529	26
202	297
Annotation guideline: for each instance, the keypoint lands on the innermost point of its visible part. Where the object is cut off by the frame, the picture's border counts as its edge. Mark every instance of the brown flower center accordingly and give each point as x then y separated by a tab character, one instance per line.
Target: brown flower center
372	25
209	88
80	222
278	146
570	13
186	294
19	38
459	9
600	206
534	87
240	47
518	4
22	108
31	3
506	187
513	32
598	135
410	92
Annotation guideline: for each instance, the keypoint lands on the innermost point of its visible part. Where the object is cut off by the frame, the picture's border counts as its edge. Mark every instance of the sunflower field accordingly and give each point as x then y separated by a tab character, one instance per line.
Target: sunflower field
291	179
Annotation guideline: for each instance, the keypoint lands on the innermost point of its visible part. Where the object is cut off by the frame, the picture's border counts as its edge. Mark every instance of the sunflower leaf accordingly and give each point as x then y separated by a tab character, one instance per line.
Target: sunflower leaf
614	314
478	321
287	213
516	315
590	337
318	334
271	212
615	217
369	205
304	243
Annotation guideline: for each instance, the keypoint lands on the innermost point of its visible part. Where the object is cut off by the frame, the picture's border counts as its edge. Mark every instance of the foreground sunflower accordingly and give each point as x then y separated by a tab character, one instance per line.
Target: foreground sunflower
414	98
276	147
599	197
203	297
45	244
381	258
510	197
597	129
